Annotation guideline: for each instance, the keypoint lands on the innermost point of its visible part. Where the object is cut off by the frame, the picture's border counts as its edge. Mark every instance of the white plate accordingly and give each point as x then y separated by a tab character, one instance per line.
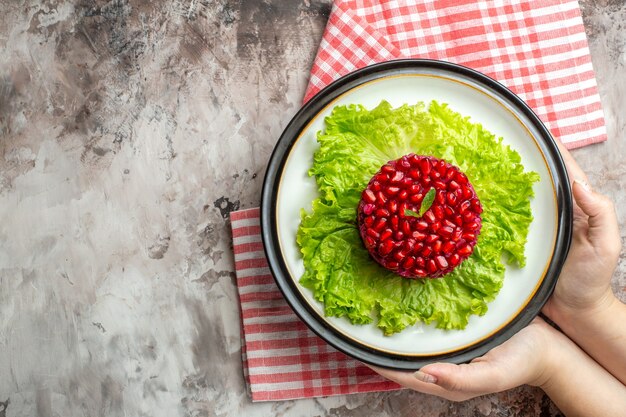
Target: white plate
294	189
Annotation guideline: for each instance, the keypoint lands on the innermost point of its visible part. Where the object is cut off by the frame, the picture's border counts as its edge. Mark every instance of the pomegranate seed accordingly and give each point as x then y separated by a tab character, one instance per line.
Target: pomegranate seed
453	185
406	227
392	190
468	193
461	178
370	242
421	225
393	265
431	266
473	226
375	186
416	198
381	197
368	208
440	198
406	182
408	262
431	238
372	233
469	236
476	205
454	259
427	251
457	234
458	220
465	250
448	223
419	272
438	212
404	163
398	255
448	247
381	212
414	188
429	216
435	175
451	197
418	235
380	224
414	173
368	195
441	167
437	246
435	226
446	231
464	206
449	211
468	217
397	177
419	261
402	195
439	185
408	245
393	206
441	262
419	246
386	234
398	235
389	169
385	247
425	166
394	222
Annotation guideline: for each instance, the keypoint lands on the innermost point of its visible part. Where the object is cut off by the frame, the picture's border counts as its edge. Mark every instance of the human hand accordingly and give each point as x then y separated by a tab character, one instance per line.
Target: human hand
584	283
529	357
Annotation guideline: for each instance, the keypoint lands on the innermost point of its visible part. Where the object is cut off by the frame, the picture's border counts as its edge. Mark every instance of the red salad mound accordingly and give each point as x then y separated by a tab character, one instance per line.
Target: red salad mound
419	216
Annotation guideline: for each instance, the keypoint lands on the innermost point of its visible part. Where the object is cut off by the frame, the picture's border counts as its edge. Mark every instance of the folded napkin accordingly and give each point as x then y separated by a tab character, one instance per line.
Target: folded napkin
537	48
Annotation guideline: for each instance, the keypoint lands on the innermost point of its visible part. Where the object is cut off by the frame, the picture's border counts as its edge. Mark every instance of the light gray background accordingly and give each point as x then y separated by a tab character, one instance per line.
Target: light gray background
128	131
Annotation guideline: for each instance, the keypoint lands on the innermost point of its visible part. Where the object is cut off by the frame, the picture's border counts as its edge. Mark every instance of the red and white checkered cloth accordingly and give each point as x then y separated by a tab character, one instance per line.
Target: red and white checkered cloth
537	48
282	358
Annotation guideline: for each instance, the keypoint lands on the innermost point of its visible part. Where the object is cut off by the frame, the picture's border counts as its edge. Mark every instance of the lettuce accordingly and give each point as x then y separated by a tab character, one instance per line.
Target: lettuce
338	269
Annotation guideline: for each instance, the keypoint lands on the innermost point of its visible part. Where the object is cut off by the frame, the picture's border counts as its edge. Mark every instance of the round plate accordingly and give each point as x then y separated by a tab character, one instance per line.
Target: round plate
288	188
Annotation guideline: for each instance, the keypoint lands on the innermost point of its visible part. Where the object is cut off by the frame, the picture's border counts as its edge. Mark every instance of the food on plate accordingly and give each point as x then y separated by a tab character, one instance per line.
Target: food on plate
338	268
419	216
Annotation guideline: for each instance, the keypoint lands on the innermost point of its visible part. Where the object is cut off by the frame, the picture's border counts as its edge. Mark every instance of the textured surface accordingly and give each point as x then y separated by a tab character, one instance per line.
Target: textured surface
128	131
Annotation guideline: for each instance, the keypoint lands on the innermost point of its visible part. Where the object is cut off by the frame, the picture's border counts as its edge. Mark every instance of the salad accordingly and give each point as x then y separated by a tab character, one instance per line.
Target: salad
339	270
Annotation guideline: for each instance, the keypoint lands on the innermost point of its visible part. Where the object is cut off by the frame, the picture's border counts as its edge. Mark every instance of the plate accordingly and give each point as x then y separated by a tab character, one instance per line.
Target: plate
288	188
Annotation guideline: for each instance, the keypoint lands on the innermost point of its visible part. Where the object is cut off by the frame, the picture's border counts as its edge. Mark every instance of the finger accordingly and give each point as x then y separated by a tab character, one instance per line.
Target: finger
408	379
603	227
477	377
574	170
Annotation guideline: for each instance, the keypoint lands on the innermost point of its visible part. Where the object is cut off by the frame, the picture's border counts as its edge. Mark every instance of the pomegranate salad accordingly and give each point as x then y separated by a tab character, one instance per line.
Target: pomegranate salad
419	216
419	210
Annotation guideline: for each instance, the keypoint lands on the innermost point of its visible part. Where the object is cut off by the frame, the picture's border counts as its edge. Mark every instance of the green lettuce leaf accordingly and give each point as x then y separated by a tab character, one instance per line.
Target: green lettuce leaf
338	268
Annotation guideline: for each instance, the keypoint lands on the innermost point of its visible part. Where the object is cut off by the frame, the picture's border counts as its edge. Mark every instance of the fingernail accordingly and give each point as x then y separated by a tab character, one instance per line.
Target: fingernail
424	377
583	184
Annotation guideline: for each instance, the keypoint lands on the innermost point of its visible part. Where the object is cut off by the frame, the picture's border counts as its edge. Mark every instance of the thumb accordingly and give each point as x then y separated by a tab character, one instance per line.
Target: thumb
602	221
477	377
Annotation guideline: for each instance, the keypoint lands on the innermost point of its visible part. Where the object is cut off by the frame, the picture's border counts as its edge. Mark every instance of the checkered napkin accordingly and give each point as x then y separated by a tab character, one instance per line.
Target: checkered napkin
537	48
282	358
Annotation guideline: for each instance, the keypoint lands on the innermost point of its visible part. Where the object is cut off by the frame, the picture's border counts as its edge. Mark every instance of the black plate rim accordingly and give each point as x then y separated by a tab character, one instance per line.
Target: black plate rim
287	285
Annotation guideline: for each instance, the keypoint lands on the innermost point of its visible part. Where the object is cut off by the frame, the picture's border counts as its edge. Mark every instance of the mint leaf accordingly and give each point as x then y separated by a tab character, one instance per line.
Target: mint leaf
408	212
427	202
